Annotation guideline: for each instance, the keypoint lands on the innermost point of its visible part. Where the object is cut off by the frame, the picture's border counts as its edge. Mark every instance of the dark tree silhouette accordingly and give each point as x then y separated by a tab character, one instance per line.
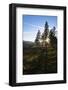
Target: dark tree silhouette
37	38
53	38
46	31
53	30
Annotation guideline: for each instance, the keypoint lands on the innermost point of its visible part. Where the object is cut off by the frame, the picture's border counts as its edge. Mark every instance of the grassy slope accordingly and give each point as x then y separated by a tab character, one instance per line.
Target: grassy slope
37	61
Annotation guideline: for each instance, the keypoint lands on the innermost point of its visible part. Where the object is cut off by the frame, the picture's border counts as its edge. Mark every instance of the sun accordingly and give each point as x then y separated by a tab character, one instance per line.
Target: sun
47	40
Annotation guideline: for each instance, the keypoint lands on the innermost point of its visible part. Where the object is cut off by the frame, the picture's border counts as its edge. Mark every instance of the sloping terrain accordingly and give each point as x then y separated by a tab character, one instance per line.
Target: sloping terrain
38	60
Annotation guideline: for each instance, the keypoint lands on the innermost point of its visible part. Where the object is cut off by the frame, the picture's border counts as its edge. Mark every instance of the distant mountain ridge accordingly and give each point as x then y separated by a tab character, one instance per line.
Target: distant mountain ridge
27	44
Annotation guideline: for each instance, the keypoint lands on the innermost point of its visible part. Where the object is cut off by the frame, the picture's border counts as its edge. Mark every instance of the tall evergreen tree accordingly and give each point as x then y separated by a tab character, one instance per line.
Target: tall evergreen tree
46	31
53	30
37	37
53	38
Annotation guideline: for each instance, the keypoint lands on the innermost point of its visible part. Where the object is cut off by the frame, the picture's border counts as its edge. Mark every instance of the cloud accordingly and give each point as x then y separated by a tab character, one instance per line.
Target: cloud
36	26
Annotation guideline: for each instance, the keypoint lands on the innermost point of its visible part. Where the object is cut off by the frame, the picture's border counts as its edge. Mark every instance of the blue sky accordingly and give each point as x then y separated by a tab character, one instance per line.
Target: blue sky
33	23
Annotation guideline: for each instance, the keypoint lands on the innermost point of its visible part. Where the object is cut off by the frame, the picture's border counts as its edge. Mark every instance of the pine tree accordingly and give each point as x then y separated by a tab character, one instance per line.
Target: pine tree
53	38
46	31
37	38
53	30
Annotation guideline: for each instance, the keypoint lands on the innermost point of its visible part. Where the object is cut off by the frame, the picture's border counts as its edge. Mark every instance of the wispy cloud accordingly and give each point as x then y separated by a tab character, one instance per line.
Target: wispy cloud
36	26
